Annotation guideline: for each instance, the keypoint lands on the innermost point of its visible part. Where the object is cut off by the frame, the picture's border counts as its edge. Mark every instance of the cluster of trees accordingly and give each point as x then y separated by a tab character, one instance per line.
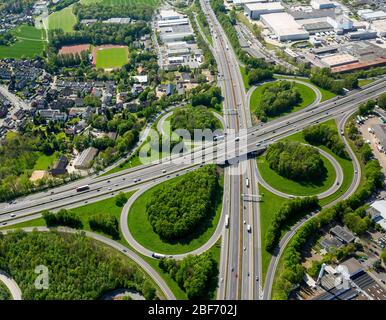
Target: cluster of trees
288	211
277	98
323	79
367	107
102	11
293	270
195	275
106	223
6	39
296	161
120	199
358	220
325	135
210	98
363	148
79	268
63	217
191	118
99	33
60	4
382	101
68	60
176	209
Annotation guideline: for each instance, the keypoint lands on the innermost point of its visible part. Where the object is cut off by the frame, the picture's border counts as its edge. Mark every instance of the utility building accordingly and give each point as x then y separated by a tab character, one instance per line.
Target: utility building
255	10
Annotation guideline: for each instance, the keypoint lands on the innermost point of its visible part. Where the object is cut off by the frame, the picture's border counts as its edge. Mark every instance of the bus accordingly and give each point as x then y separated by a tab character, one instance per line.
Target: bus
83	188
227	221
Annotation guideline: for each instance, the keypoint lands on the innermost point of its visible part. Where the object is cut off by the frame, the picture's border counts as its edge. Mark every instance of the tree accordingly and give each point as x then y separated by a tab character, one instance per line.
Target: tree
120	199
383	256
382	101
62	218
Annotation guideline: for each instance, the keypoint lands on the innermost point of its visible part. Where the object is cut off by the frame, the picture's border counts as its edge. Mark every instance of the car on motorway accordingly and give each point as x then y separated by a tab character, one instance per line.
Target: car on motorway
249	229
4	223
13	215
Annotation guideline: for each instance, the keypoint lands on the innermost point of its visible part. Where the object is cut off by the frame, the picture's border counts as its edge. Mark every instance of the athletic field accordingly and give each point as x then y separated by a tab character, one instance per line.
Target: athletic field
110	57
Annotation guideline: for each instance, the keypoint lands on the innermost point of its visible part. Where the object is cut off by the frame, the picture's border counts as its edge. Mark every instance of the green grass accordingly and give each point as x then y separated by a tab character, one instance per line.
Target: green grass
363	82
63	19
307	94
346	165
5	294
45	162
111	58
142	230
30	42
326	95
270	204
296	188
245	78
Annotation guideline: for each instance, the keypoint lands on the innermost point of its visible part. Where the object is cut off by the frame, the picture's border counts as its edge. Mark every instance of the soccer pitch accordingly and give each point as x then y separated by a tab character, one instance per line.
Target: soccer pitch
109	58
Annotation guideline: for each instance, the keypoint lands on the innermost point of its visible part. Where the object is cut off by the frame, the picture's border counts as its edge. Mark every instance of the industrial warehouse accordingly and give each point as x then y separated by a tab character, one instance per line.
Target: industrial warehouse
324	33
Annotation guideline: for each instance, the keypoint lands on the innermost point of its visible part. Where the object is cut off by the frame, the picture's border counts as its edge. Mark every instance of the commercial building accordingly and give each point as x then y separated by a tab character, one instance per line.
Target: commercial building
284	26
363	35
380	27
85	159
342	234
338	60
341	24
255	10
322	4
169	15
374	15
377	211
241	3
174	22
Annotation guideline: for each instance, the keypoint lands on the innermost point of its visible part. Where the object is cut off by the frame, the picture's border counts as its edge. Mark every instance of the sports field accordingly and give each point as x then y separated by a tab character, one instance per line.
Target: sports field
111	57
30	42
63	19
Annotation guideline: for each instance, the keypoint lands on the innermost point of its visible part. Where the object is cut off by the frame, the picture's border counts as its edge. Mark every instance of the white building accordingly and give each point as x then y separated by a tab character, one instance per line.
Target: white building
380	27
255	10
174	22
378	212
340	23
169	15
373	15
284	26
241	3
322	4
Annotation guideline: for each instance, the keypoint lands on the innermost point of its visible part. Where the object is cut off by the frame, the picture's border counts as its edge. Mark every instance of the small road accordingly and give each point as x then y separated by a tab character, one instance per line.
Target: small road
288	236
146	252
116	245
334	188
11	285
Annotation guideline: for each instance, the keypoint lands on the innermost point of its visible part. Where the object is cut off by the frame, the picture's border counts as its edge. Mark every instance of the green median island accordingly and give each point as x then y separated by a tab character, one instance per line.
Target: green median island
179	215
274	99
296	169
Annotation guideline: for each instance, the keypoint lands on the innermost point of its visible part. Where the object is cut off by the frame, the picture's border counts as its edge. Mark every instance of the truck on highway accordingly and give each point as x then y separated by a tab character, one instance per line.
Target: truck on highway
158	255
247	182
227	221
249	229
218	138
370	130
83	188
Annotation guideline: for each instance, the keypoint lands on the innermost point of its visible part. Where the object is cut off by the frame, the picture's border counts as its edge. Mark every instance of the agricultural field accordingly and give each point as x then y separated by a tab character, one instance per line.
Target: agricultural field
30	42
109	58
63	19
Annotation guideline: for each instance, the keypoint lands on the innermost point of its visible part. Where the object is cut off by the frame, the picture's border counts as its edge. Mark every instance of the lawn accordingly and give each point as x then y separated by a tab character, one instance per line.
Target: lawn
346	165
111	57
30	42
45	162
142	230
269	205
296	188
245	78
63	19
363	82
307	94
326	95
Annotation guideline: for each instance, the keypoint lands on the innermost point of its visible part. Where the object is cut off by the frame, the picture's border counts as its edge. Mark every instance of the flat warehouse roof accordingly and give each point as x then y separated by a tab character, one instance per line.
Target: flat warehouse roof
264	6
282	24
339	59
